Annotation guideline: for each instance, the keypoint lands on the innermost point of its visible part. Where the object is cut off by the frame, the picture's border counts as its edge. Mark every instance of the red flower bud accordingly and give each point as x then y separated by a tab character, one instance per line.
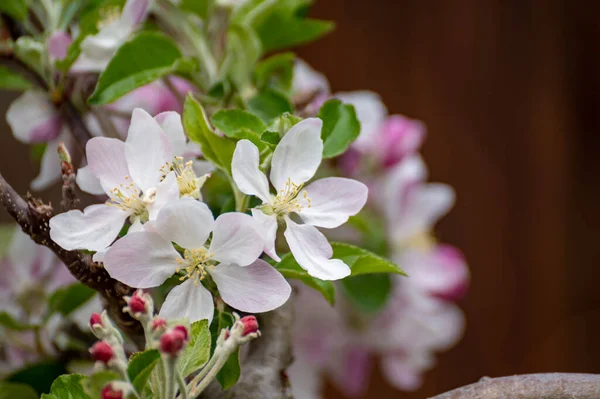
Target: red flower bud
157	323
109	393
172	341
137	304
182	330
95	319
250	325
102	352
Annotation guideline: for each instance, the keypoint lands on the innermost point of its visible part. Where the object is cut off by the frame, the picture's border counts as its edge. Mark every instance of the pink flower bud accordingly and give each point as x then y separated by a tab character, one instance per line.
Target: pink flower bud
158	323
183	330
96	319
137	304
172	341
399	137
102	352
108	392
250	325
58	45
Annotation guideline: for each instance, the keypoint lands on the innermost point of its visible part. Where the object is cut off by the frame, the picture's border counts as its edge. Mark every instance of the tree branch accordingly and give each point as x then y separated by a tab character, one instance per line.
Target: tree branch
530	386
33	216
263	371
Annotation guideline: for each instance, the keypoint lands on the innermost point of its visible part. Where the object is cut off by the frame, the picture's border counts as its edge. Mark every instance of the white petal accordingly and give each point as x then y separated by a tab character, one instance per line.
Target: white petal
141	260
33	118
166	191
147	150
186	221
106	160
22	253
236	239
50	171
313	252
255	288
332	201
246	173
267	227
371	113
170	122
189	301
88	182
298	155
135	11
307	81
94	229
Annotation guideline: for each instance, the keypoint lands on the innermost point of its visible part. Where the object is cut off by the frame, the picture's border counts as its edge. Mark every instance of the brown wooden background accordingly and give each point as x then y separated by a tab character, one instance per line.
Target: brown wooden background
509	90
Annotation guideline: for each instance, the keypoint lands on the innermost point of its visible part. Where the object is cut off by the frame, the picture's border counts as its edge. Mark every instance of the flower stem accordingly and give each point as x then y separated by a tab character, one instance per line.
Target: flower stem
183	393
170	363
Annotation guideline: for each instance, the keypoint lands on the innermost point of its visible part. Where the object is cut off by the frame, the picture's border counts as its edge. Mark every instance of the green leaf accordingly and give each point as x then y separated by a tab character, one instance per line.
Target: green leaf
68	386
39	376
95	382
340	127
30	50
217	149
197	352
268	104
147	57
8	321
368	292
12	390
229	374
220	321
289	268
276	72
243	50
16	9
229	121
270	138
201	8
362	261
68	299
10	80
140	367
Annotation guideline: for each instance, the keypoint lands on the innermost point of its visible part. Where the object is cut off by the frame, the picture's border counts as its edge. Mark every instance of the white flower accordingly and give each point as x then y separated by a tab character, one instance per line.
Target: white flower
146	259
139	175
98	49
324	203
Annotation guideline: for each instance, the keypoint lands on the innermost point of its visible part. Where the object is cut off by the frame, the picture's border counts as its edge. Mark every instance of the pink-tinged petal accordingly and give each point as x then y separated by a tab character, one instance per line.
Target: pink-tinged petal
298	155
50	172
306	379
33	118
188	301
58	45
166	191
246	173
236	239
147	150
186	221
351	370
312	251
371	113
267	227
106	160
399	138
401	373
135	11
93	229
255	288
170	122
88	182
307	82
332	201
141	260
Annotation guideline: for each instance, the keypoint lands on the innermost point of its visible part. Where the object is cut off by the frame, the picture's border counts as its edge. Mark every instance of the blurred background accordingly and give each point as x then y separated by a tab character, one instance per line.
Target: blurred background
509	91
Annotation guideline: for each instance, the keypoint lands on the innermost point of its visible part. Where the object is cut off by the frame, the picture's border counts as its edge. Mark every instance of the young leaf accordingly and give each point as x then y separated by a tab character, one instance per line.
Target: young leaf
12	390
145	58
197	352
140	367
276	72
8	321
10	80
229	374
362	261
340	127
268	104
66	300
67	386
270	138
217	149
231	120
368	292
289	268
16	9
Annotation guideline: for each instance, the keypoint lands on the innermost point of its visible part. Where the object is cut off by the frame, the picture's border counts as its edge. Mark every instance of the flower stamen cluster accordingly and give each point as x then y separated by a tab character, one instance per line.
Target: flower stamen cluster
287	199
195	262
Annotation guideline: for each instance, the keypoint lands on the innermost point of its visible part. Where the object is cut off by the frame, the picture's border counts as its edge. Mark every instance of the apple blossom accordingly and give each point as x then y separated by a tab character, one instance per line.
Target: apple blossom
327	202
146	259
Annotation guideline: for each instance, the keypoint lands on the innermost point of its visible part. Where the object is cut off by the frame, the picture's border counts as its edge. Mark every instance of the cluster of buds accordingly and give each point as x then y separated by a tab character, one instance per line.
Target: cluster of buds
140	306
173	340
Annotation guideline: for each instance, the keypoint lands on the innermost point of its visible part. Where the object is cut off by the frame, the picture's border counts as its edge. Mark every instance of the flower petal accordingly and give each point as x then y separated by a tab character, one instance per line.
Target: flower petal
93	229
401	373
135	11
246	173
50	171
371	113
170	123
189	301
332	201
141	260
88	182
352	370
166	191
255	288
313	252
236	239
106	160
267	226
147	150
298	155
186	221
33	118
